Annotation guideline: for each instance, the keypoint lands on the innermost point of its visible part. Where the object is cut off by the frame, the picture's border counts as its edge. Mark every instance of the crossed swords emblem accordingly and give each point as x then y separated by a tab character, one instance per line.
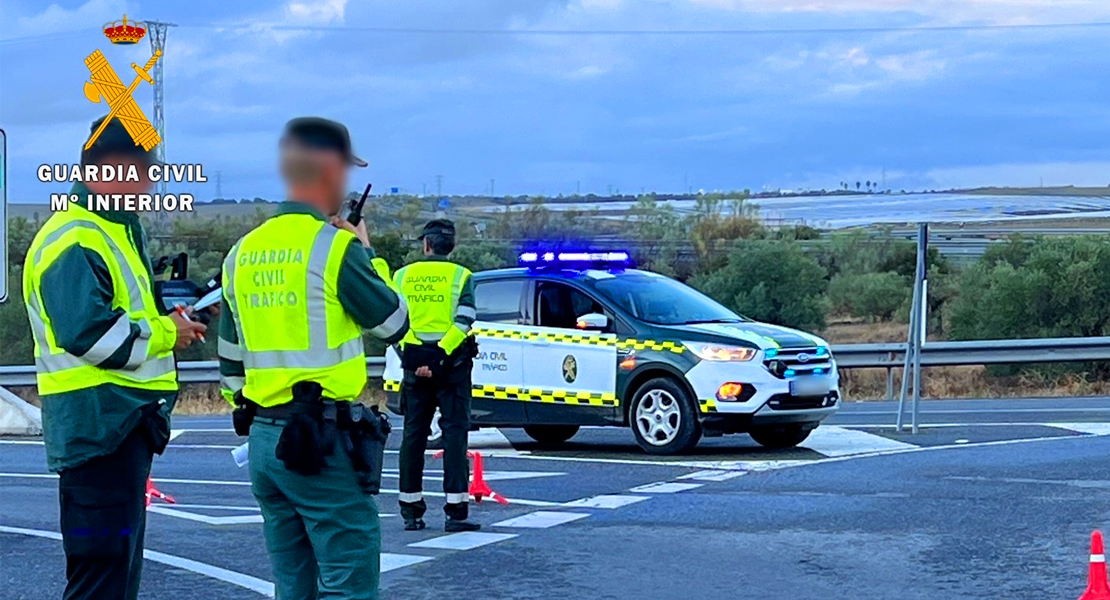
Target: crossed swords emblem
107	85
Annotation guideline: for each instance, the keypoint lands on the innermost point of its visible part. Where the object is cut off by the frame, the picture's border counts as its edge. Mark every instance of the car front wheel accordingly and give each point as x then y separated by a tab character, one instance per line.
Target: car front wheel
780	436
663	418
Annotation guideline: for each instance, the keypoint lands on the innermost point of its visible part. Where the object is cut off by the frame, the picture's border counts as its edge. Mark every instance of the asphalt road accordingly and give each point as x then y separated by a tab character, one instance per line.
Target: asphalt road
994	499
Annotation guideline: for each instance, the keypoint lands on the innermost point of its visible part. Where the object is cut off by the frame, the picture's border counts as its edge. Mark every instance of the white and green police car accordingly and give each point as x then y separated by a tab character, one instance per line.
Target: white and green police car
574	338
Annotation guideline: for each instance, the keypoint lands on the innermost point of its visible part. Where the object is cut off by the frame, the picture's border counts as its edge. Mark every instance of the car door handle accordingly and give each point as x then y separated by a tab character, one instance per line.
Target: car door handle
540	341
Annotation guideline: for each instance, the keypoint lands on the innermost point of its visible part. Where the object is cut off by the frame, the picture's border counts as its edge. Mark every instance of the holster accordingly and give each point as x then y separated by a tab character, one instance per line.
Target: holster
243	415
310	434
365	431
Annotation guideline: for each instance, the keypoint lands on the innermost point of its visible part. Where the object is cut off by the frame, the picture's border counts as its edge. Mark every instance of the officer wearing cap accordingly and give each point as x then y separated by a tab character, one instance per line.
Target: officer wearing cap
437	357
105	371
299	290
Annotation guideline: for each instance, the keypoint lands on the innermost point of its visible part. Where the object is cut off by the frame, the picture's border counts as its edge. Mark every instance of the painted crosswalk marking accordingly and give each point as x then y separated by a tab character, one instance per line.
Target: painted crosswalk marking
838	441
467	540
541	519
665	487
605	501
392	561
713	475
1091	428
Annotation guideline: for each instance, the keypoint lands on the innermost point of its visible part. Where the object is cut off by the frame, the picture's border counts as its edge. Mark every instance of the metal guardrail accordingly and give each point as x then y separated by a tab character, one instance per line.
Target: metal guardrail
848	356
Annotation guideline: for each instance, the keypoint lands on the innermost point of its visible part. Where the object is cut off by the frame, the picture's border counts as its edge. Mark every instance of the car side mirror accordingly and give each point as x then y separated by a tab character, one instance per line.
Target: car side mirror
594	321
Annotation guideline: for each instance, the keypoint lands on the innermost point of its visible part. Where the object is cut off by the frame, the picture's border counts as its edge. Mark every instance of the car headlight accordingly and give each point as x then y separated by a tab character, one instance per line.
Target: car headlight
720	352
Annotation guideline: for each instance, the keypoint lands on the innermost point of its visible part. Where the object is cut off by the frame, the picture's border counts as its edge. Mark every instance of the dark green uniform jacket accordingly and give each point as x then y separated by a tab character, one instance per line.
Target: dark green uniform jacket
362	292
77	297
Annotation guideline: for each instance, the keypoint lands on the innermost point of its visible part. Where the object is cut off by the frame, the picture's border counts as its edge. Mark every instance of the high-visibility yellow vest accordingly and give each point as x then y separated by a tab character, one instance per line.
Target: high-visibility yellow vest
432	288
59	371
281	282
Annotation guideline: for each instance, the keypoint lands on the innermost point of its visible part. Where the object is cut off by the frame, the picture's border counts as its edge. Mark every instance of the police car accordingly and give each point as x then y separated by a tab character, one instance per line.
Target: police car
572	339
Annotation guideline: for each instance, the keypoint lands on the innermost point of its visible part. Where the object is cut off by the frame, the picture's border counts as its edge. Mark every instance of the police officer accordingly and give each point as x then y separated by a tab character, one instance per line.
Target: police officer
437	356
105	371
298	292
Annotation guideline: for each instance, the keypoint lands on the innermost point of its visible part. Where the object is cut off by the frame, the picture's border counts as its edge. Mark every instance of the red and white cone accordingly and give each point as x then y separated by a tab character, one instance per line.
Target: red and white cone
479	489
1097	585
153	492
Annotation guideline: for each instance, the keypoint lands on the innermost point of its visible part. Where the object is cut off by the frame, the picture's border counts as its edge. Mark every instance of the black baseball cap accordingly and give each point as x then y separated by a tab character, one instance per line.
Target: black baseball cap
438	226
322	134
114	140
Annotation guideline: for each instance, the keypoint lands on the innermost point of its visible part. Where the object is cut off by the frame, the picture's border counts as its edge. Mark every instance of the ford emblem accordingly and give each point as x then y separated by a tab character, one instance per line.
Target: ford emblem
803	357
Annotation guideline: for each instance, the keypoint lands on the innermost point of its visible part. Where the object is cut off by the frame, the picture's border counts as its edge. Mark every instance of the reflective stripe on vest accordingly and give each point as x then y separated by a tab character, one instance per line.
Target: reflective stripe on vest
51	361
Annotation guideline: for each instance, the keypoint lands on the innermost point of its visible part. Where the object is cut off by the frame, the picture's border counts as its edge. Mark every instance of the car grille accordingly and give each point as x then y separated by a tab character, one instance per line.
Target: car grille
788	402
799	361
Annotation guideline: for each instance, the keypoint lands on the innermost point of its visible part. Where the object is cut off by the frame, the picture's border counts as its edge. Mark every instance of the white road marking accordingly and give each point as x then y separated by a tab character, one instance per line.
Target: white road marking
490	438
1091	428
838	441
392	561
606	501
175	432
436	475
206	519
467	540
713	475
665	487
541	519
242	580
521	501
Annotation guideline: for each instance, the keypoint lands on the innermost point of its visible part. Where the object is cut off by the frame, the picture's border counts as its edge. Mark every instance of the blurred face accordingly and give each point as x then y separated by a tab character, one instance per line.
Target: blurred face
315	176
333	178
142	186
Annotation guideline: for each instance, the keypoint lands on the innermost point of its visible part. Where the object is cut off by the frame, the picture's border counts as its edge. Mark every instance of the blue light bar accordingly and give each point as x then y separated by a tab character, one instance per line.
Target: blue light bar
575	258
789	373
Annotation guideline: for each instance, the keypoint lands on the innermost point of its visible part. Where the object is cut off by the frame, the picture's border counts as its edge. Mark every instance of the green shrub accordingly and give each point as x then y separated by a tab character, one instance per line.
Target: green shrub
869	295
770	281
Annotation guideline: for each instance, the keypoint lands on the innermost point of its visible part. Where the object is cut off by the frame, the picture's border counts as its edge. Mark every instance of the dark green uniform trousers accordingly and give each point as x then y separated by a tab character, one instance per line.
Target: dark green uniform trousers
322	532
420	397
103	518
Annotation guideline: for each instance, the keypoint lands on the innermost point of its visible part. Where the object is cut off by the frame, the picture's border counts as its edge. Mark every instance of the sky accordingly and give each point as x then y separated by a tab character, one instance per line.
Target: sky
557	96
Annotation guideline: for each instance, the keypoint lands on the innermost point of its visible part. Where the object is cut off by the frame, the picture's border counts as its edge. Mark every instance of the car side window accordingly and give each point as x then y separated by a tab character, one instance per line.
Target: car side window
499	301
560	305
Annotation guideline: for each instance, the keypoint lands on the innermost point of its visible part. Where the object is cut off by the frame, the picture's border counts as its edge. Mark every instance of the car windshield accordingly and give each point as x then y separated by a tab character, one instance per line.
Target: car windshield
663	301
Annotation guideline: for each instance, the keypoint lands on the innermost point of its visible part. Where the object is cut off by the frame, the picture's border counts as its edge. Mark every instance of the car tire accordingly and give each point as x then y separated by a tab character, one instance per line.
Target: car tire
664	418
551	434
777	437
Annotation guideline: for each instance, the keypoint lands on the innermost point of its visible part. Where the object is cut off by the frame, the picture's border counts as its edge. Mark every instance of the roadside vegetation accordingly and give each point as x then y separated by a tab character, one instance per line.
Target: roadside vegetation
851	286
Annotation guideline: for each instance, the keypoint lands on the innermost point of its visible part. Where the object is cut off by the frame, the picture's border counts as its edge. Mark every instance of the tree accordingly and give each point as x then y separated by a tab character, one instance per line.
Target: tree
772	281
857	185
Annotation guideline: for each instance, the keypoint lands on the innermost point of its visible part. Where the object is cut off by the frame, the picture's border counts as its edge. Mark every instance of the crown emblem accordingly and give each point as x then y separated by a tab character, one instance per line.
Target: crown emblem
125	32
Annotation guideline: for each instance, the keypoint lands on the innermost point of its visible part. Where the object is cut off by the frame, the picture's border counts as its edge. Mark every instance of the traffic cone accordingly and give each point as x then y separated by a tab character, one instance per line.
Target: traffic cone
153	492
1097	586
478	486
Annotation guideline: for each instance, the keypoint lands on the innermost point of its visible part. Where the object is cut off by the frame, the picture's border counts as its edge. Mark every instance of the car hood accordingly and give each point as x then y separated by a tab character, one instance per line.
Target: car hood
761	334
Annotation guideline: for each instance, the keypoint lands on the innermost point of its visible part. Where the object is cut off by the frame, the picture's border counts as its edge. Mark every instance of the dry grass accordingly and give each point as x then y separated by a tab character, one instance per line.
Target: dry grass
847	331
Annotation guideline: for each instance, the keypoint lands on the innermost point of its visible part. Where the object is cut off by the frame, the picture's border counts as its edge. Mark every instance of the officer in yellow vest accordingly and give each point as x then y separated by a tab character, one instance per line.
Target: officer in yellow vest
437	357
106	373
299	290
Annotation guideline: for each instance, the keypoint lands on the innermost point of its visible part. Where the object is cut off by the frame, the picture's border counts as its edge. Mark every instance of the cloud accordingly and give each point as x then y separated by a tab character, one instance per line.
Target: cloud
316	12
54	18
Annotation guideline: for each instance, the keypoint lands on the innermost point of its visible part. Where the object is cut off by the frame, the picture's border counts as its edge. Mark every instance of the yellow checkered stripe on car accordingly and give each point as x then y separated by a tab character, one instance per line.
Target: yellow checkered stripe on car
631	344
576	398
708	406
569	337
391	386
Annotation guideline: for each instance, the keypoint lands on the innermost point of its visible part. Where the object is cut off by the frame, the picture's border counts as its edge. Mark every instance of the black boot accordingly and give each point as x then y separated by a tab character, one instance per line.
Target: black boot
456	518
413	514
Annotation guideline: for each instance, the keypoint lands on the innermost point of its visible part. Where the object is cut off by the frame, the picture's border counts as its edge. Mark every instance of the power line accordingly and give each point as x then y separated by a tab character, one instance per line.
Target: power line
590	32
